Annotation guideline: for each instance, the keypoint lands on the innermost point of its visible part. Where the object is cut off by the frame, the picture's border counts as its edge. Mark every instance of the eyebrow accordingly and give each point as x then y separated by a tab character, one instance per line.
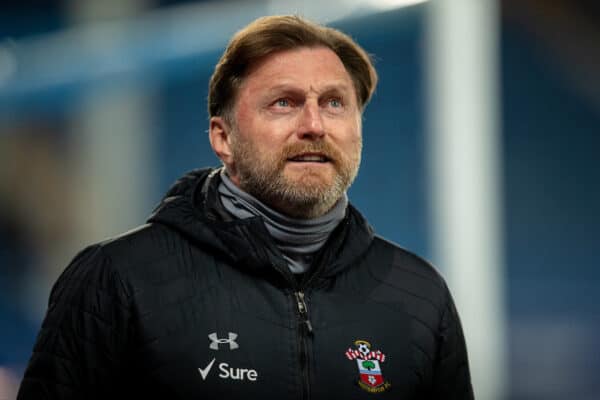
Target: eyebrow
291	88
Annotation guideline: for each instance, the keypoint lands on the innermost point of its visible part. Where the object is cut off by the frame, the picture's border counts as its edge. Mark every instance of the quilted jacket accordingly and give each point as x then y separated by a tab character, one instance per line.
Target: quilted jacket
196	304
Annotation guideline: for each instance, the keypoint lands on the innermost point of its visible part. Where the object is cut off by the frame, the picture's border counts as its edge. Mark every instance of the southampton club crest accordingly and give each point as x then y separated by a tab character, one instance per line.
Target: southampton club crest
369	367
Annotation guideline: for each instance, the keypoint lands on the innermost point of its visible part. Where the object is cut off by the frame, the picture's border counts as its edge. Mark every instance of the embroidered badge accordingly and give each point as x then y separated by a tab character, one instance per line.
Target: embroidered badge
369	367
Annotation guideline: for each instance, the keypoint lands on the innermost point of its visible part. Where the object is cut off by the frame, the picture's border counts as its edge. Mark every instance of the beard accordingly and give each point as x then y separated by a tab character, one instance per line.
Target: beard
309	194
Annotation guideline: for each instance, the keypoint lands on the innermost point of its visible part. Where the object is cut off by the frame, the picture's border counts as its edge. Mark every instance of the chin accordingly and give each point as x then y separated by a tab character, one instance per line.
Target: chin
311	176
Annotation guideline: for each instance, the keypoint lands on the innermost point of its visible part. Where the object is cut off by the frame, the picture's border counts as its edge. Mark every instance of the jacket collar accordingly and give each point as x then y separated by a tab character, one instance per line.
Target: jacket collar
192	208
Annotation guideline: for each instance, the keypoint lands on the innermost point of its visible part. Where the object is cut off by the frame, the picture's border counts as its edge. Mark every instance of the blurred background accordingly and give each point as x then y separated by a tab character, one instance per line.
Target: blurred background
481	150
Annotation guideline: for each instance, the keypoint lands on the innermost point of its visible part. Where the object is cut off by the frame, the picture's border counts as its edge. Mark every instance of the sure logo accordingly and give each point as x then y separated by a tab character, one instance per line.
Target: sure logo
227	372
237	373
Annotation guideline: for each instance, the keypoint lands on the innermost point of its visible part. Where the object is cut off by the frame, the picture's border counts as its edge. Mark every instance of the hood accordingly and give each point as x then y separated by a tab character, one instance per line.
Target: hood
192	208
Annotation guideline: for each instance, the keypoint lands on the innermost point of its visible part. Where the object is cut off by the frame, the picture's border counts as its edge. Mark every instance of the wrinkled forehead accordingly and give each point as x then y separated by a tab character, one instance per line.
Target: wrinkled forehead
318	68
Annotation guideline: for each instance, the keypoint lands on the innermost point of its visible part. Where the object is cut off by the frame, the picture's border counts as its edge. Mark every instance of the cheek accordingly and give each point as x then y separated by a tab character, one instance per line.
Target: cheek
265	132
243	120
353	139
355	147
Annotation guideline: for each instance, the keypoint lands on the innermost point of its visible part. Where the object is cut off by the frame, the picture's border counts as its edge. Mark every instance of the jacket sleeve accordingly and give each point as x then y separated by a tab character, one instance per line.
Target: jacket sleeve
452	379
77	353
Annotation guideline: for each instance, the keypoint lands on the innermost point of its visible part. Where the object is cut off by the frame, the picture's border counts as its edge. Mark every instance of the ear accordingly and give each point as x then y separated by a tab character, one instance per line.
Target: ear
219	135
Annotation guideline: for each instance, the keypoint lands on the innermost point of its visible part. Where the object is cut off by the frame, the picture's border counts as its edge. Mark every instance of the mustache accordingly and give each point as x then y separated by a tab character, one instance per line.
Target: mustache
317	147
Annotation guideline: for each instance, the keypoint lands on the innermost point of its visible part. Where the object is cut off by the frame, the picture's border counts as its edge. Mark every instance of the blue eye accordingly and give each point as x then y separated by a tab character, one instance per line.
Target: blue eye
336	103
282	103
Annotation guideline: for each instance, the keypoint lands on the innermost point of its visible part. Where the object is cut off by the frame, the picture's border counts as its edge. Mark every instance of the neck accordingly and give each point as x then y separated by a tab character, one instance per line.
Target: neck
297	238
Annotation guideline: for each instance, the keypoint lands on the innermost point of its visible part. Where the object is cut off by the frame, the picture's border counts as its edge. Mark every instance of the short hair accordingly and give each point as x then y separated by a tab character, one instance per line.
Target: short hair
271	34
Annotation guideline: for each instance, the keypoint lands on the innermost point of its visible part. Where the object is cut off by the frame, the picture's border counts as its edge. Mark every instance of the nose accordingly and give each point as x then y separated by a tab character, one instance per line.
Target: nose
310	124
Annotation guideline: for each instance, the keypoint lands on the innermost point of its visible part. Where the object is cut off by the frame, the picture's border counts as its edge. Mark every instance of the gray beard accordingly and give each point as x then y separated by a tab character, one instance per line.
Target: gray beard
265	180
298	201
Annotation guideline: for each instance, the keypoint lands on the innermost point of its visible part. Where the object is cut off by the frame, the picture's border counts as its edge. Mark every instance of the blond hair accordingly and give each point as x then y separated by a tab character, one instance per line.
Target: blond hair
267	35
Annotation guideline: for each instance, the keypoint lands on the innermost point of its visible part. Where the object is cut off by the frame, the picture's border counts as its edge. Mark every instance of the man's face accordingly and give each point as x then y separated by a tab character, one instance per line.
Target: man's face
296	139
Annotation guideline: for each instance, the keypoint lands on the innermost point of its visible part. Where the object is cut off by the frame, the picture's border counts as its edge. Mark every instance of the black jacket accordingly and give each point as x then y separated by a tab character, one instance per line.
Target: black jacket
197	305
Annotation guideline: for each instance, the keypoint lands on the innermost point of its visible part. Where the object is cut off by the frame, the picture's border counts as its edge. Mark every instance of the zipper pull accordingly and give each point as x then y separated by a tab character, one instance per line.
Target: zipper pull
303	309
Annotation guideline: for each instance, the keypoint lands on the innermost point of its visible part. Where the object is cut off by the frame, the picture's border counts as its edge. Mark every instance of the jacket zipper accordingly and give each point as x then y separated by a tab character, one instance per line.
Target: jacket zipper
305	329
303	310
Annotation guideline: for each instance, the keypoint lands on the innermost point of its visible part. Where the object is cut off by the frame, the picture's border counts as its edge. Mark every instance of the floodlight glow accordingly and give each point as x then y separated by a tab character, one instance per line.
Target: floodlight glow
386	4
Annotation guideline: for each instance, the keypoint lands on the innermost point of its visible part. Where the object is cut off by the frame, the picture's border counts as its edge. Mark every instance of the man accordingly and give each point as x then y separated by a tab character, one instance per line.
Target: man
258	280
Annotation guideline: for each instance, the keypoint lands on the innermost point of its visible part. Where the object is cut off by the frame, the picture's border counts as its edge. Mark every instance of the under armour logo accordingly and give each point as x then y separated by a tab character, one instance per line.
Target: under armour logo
216	341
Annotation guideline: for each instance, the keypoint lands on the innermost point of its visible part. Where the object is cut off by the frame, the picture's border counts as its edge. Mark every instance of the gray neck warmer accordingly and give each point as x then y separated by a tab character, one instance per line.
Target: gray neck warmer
298	239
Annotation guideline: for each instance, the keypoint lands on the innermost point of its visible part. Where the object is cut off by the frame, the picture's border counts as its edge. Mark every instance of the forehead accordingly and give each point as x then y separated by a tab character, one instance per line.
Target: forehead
304	67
